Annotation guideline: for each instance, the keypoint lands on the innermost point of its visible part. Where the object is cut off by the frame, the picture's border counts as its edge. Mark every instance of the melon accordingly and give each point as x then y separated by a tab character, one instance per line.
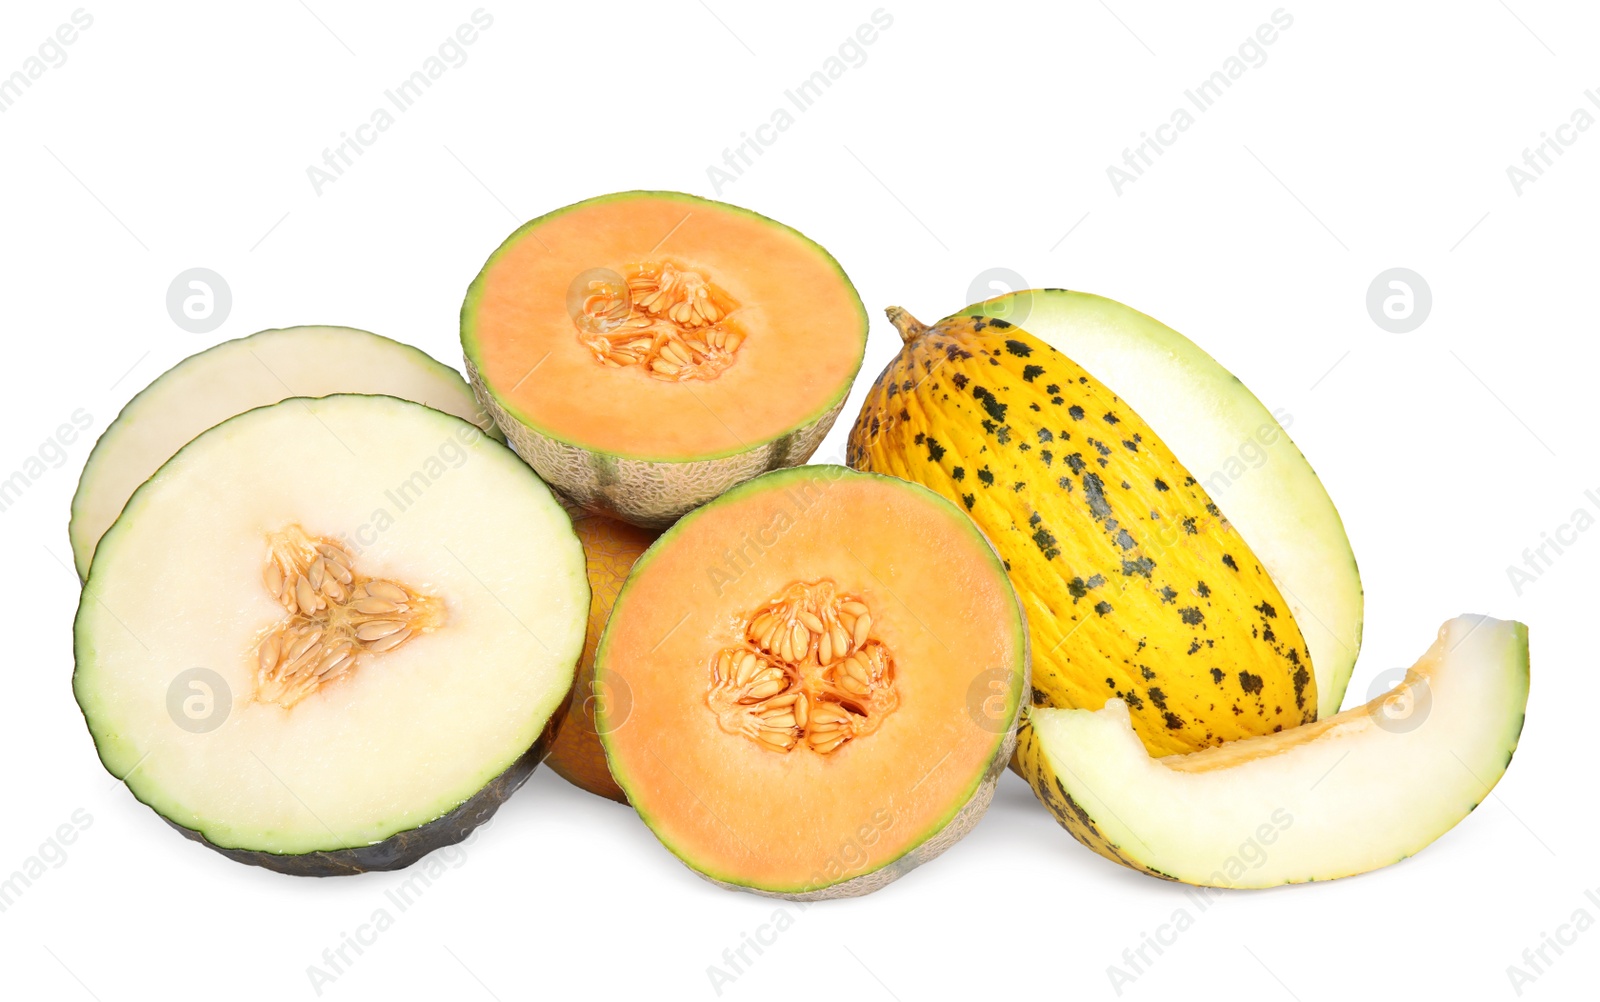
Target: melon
233	377
331	635
1239	450
645	351
610	548
1136	585
1350	793
826	669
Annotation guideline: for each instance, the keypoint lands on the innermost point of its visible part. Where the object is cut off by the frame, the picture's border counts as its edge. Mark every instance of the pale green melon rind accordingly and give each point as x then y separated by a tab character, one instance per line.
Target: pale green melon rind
1206	416
1094	761
936	837
84	528
403	848
413	832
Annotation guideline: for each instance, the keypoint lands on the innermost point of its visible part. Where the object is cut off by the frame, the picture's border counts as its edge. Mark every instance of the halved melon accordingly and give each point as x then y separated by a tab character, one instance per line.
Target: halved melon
826	669
1235	447
1345	795
647	350
610	548
231	378
329	635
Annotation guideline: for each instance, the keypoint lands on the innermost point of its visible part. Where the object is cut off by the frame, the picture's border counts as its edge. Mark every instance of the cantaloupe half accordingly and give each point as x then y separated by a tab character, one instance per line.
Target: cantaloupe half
1234	446
330	635
1347	794
235	376
826	668
647	350
610	548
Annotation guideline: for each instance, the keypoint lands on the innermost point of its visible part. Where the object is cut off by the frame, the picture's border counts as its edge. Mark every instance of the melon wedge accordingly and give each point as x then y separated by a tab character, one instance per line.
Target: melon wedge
826	669
647	350
1232	444
233	377
330	635
1347	794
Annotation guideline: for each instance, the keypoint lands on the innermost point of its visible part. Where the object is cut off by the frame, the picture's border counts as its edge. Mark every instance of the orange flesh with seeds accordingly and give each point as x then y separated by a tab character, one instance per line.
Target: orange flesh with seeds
790	816
797	325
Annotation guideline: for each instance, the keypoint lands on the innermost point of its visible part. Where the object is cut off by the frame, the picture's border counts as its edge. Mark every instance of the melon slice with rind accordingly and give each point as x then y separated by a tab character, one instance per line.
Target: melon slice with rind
331	635
1232	444
1347	794
235	376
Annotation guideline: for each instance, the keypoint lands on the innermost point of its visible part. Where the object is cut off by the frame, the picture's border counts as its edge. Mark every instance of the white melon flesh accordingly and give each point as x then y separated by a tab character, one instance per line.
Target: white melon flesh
1233	445
407	735
1345	795
231	378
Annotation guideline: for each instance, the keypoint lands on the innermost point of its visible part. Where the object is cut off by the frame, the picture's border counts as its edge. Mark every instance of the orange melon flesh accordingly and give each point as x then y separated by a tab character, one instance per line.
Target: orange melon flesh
799	822
609	550
804	324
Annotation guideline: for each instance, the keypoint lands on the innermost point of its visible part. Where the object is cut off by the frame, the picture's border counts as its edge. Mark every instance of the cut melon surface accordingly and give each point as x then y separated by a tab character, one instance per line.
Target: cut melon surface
646	350
1347	794
329	634
1232	444
235	376
825	670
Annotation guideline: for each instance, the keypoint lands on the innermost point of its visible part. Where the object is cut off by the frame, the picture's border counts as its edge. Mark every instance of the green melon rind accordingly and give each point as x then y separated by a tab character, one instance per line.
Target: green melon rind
403	848
451	821
106	446
937	837
649	491
1288	519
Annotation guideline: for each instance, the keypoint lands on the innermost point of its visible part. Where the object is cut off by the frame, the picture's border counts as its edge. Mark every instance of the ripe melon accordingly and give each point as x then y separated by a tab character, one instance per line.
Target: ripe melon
1136	584
231	378
826	669
1347	794
330	635
645	351
1239	450
610	548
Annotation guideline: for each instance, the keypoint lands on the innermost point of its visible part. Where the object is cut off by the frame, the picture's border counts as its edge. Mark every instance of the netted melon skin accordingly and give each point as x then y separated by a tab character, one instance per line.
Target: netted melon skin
648	494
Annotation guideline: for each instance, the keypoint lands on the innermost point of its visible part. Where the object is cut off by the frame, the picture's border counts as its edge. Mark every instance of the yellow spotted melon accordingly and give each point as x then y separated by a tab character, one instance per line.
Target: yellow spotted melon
1240	451
1136	584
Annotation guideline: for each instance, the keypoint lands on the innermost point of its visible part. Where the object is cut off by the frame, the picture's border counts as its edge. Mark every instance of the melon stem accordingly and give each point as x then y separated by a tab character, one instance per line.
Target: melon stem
910	327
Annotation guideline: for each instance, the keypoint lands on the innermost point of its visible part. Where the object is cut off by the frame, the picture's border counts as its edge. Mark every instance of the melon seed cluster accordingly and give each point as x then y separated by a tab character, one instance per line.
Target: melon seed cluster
808	673
335	616
668	319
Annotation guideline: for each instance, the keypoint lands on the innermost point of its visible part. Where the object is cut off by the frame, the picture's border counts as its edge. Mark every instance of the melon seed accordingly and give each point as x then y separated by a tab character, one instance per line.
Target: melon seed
337	617
692	334
780	696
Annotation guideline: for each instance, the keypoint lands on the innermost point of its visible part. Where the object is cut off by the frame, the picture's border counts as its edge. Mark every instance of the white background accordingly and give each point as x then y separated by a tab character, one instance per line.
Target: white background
1375	135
